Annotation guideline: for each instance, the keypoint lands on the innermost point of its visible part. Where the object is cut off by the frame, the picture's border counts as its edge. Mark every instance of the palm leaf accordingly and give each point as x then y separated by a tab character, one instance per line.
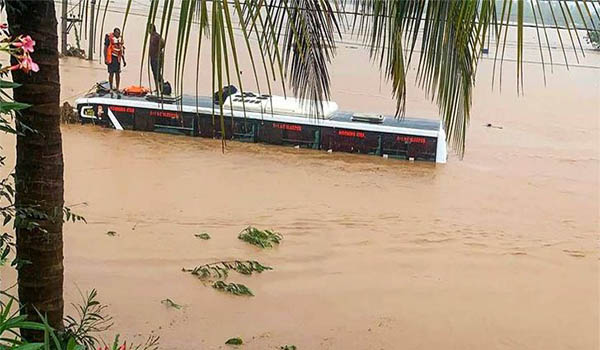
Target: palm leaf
296	41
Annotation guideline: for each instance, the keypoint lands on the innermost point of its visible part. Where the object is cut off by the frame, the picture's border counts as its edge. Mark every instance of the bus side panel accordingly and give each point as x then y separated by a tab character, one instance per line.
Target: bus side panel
350	141
143	121
279	133
409	146
205	125
225	121
124	116
244	129
175	122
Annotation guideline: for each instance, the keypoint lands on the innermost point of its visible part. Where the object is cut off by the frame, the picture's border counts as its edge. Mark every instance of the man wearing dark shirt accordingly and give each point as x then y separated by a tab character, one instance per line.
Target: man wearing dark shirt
157	45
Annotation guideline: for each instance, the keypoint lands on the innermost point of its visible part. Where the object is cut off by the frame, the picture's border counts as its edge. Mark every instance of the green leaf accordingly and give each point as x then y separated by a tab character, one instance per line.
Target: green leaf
7	107
72	344
32	325
30	346
5	253
233	288
5	84
234	341
19	263
260	238
220	269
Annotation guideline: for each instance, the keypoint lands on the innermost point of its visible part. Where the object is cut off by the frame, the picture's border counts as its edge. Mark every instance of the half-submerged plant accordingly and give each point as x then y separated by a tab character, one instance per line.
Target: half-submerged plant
220	270
234	341
260	238
205	236
288	347
233	288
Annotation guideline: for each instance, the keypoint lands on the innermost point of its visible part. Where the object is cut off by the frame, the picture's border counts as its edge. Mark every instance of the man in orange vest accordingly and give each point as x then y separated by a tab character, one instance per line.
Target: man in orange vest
114	52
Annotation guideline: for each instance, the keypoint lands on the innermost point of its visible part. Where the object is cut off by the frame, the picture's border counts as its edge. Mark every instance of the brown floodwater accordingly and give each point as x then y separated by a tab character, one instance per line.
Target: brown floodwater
495	251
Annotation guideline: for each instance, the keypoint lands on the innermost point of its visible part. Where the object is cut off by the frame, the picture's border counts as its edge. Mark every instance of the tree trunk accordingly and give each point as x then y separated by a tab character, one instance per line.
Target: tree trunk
39	169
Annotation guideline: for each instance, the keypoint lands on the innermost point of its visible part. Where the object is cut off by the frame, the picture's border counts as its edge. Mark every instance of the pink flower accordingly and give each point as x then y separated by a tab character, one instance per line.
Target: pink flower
26	43
26	64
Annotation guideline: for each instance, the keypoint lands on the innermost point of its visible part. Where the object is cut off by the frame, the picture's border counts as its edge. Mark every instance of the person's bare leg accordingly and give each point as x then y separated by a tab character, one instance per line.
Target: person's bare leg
118	77
110	80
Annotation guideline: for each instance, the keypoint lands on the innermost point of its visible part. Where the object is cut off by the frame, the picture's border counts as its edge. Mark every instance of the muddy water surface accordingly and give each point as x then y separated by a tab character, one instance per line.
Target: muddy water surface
497	251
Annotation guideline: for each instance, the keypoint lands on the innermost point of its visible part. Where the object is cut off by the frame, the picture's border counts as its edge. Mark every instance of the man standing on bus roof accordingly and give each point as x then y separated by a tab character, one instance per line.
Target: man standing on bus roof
156	53
114	52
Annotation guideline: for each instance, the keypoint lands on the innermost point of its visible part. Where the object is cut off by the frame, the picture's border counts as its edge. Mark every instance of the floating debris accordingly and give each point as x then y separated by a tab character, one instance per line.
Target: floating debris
489	125
170	303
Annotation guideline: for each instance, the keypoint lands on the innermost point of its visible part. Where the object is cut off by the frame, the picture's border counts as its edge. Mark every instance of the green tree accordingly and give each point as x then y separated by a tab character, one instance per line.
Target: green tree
39	165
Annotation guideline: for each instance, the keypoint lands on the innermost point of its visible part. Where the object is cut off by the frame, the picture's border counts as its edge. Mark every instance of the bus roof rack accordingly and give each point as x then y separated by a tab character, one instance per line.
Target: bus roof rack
368	118
163	98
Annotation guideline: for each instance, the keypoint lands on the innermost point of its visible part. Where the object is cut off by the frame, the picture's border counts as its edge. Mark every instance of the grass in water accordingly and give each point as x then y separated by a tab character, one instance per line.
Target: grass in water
233	288
260	238
288	347
111	233
205	236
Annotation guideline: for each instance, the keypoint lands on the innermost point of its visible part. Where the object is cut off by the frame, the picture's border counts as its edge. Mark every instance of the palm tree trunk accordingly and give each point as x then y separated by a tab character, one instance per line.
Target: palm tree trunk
39	169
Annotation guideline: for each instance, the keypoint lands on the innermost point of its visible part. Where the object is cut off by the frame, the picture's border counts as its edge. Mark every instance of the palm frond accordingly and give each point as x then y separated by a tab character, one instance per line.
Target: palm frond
442	39
450	36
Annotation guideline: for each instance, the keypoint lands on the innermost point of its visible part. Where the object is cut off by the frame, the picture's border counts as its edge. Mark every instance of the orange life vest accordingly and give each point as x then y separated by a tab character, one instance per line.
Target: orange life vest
113	49
136	90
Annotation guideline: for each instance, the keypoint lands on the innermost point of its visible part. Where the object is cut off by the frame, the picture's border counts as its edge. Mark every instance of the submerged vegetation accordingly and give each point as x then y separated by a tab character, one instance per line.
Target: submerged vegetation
234	341
260	238
220	270
205	236
233	288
